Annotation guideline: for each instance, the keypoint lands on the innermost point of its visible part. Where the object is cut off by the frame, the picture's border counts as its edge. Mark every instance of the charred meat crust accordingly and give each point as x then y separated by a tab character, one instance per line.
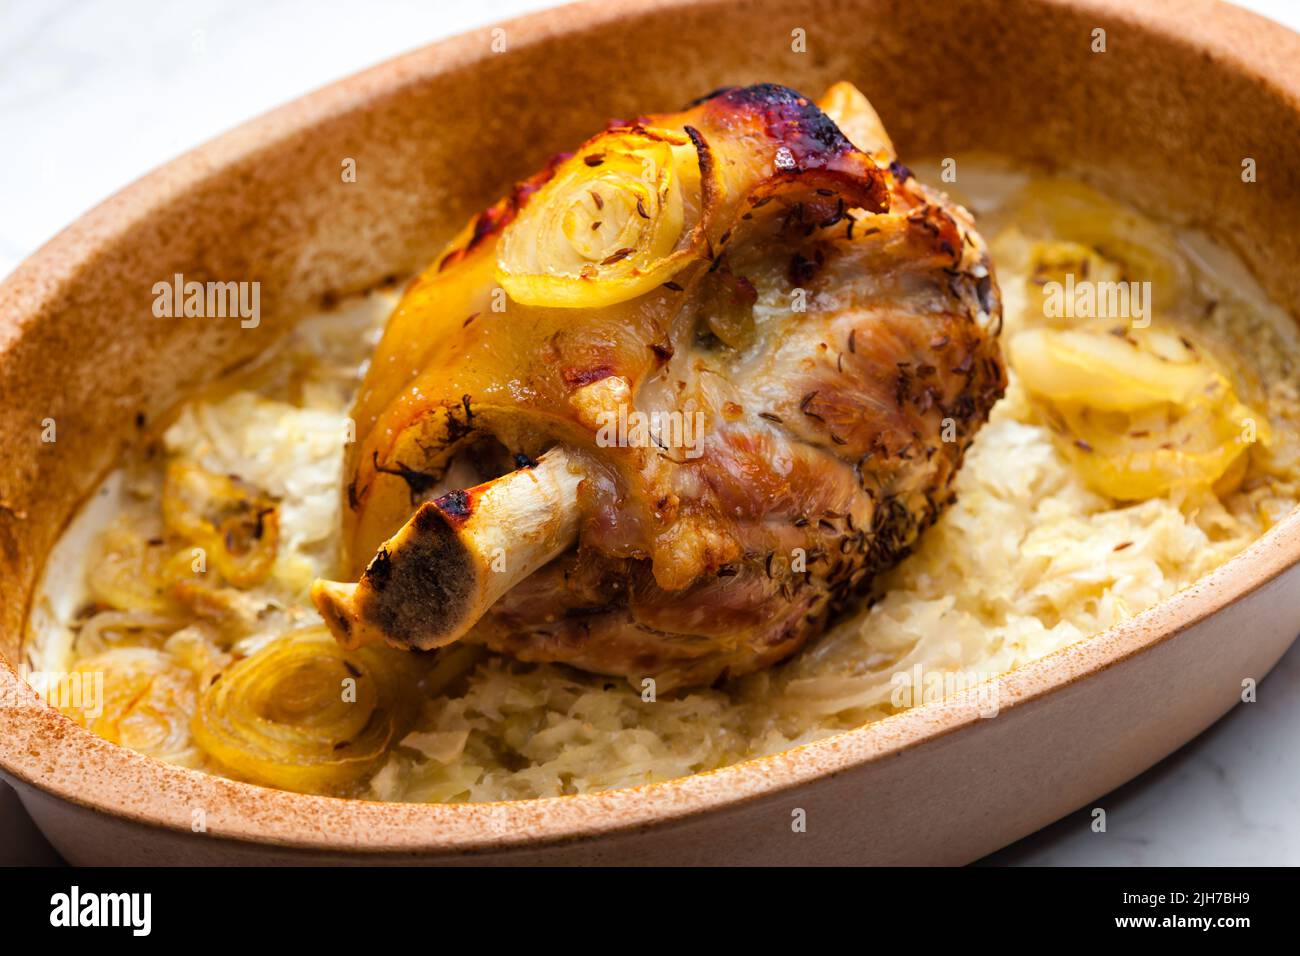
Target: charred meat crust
791	119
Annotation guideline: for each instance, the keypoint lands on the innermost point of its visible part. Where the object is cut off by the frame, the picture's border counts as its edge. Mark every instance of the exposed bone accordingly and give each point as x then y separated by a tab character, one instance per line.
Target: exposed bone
429	583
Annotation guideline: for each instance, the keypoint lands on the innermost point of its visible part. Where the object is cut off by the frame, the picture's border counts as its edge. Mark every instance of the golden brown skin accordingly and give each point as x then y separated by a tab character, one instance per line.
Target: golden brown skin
836	327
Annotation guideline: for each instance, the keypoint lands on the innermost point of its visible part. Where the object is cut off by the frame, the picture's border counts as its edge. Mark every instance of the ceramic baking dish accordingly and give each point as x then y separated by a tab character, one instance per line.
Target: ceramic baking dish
1184	92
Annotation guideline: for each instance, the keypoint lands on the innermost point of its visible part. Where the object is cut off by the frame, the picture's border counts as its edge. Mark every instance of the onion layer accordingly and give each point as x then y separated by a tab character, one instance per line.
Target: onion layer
134	696
238	527
1065	226
609	226
1111	372
128	570
304	714
857	119
1139	414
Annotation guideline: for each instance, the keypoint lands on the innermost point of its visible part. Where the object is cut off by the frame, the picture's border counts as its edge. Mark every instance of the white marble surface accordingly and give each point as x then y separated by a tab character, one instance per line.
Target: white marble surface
92	95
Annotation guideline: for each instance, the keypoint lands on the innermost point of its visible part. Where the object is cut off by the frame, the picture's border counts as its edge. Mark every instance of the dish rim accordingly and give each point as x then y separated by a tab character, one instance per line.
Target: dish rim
112	779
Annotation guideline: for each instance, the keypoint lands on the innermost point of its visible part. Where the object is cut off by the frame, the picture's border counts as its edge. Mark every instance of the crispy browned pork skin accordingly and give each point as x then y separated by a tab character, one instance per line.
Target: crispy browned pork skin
820	325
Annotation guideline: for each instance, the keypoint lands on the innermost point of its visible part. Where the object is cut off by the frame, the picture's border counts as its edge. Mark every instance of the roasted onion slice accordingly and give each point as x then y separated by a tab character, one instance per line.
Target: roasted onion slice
1060	219
134	696
609	226
1132	457
236	525
858	120
304	714
128	571
1138	412
1113	372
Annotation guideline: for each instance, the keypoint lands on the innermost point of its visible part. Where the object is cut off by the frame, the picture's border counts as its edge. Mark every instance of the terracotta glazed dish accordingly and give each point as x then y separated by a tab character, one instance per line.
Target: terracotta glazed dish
984	376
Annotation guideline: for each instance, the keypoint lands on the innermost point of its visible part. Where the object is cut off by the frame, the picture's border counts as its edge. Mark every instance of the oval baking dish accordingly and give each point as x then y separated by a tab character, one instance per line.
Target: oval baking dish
437	135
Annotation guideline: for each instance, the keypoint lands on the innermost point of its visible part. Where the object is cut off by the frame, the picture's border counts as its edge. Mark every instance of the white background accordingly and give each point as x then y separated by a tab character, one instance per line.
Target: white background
93	95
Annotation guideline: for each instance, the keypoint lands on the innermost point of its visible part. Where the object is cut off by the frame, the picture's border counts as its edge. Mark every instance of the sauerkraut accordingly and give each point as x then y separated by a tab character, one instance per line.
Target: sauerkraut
1036	554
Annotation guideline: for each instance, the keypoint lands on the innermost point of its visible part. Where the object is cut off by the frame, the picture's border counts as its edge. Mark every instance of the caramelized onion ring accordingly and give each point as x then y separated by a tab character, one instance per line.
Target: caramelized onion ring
610	225
304	714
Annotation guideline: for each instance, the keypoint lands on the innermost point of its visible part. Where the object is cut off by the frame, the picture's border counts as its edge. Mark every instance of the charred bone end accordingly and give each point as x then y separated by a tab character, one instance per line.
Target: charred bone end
416	593
431	582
